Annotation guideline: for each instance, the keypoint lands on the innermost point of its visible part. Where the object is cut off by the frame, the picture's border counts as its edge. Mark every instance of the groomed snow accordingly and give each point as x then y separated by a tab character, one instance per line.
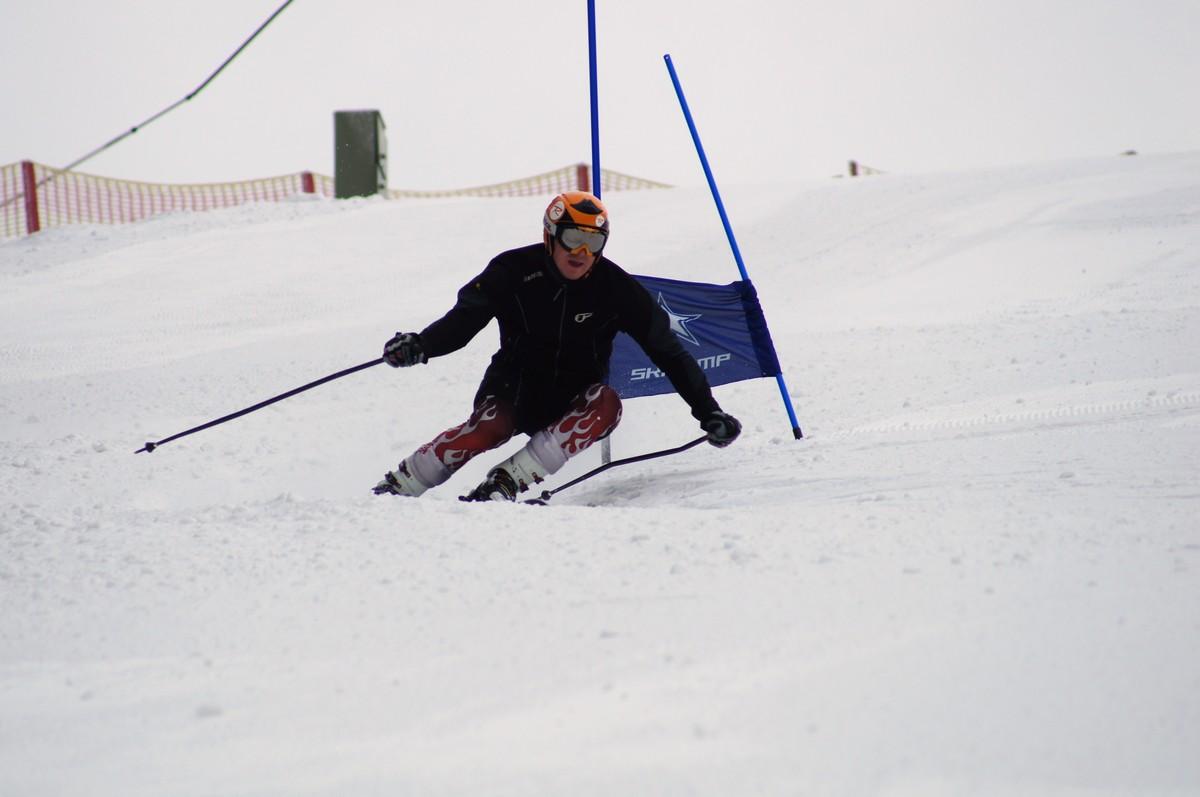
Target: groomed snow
978	574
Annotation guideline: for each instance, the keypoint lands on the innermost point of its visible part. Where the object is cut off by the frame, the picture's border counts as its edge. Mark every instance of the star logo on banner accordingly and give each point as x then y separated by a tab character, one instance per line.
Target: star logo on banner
679	321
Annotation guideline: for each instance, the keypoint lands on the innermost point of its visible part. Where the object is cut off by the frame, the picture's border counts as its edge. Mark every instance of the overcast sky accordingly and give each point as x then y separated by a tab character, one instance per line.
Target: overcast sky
478	92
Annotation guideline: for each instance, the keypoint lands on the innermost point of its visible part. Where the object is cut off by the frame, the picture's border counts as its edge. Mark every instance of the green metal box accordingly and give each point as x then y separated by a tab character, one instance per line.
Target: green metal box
360	153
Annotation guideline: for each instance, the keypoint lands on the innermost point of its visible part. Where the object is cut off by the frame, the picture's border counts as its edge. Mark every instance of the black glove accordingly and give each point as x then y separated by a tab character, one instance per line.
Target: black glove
722	428
403	350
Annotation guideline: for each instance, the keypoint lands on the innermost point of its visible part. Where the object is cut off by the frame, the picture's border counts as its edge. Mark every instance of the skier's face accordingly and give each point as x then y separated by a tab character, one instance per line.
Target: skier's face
573	265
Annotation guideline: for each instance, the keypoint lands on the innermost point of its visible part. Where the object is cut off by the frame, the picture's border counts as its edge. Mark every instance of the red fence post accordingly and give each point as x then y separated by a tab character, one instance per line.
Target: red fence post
307	184
32	224
581	177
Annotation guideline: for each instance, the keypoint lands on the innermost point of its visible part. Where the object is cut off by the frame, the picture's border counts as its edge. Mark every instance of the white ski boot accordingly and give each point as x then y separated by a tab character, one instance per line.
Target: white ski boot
512	476
401	481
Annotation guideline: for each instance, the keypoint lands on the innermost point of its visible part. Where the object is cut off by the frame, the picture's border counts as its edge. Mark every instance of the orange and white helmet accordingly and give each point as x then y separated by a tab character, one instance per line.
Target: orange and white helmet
576	219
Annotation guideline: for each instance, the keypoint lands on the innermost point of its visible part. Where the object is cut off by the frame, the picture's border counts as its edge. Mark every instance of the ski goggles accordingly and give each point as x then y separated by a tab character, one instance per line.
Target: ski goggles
572	238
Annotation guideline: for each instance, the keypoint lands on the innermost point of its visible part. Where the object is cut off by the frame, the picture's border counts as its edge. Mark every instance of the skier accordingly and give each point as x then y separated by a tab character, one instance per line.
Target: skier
559	305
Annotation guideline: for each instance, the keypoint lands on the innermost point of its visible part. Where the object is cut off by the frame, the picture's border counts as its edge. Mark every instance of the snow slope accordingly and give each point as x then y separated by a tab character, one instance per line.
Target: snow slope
978	574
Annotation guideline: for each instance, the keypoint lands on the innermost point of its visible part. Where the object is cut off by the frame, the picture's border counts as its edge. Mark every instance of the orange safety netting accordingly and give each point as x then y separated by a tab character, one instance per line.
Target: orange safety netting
568	178
35	197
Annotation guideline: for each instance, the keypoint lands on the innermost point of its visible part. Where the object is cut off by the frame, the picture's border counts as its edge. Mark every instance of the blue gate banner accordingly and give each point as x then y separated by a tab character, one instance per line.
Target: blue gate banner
722	326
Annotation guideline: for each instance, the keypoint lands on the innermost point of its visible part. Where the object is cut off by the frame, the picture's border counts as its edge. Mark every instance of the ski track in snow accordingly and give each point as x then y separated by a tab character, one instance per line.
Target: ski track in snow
976	575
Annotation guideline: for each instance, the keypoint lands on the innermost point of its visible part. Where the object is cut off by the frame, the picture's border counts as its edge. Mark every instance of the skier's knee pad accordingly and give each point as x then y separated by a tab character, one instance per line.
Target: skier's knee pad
491	424
592	416
608	407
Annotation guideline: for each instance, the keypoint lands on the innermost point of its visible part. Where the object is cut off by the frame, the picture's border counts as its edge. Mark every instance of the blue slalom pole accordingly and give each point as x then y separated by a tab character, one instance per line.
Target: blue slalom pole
606	443
737	253
591	12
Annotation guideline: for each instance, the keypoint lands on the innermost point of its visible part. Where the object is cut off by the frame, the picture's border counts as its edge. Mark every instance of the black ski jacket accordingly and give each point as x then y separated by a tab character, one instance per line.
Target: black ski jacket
556	335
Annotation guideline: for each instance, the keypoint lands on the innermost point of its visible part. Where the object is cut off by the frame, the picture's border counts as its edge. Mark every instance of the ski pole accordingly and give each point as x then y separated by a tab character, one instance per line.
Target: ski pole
149	447
548	494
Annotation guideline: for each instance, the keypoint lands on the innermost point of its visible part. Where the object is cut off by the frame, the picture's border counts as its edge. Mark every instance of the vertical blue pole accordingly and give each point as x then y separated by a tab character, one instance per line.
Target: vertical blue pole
737	253
606	443
591	12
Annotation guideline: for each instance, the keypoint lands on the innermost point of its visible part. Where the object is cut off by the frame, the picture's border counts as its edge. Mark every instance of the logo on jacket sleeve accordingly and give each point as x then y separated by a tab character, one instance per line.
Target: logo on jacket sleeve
581	317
